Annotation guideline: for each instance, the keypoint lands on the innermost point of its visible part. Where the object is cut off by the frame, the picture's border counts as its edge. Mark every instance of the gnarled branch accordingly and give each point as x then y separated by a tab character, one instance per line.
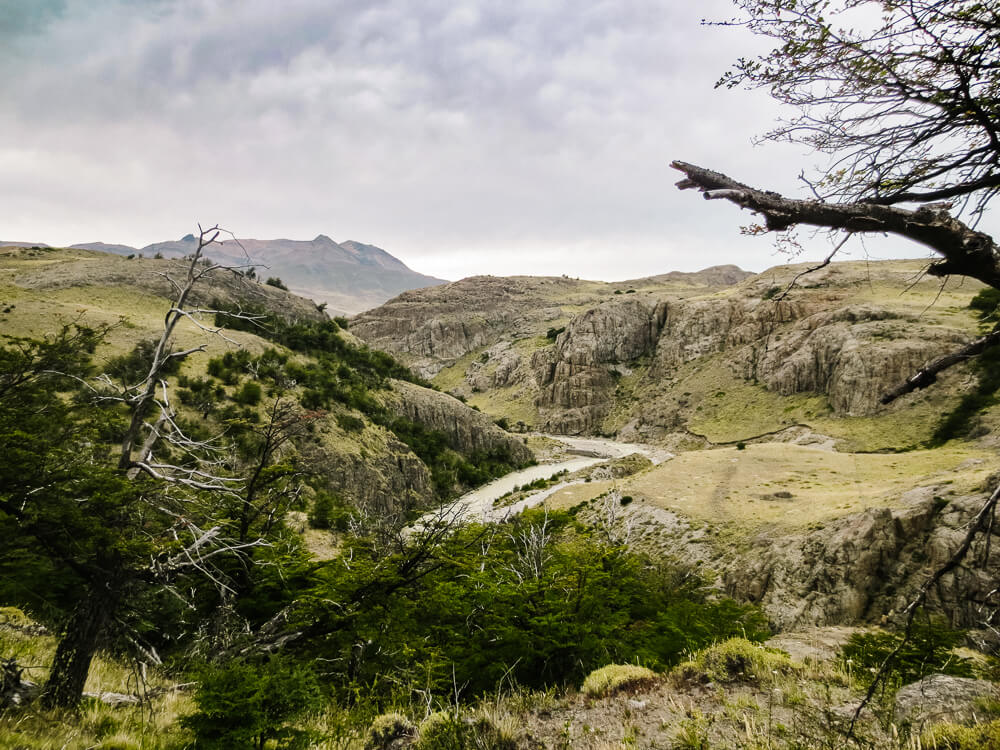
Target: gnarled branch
964	251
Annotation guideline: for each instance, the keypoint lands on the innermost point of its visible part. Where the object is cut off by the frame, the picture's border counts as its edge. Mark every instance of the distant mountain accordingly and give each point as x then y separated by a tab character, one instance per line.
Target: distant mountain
4	243
103	247
349	276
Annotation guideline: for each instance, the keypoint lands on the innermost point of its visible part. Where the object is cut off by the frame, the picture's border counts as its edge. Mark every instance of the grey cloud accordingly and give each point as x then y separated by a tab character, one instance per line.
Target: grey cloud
476	134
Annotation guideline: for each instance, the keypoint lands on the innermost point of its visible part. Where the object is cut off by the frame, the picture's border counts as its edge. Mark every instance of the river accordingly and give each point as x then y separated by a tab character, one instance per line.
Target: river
477	505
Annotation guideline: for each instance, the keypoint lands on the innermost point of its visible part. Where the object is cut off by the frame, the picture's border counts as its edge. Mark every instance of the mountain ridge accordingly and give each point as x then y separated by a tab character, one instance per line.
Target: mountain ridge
349	277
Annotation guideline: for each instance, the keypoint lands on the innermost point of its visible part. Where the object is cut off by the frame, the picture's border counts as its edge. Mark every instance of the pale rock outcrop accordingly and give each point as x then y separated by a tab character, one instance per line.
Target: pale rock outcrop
868	566
468	430
384	477
852	355
577	377
943	698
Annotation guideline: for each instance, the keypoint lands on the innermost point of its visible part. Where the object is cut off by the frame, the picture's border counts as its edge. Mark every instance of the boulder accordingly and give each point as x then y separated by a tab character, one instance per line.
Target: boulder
943	698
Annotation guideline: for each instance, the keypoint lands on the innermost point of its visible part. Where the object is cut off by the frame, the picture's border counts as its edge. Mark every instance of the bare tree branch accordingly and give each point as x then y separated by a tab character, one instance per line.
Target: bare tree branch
966	252
928	374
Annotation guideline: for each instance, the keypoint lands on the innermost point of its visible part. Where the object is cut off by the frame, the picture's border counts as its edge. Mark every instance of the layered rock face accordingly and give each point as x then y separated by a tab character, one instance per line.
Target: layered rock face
869	565
468	431
576	378
432	328
382	478
834	335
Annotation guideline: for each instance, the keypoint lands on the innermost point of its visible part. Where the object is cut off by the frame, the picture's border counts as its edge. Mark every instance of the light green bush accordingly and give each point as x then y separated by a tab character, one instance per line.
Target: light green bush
447	731
386	729
956	737
735	660
617	677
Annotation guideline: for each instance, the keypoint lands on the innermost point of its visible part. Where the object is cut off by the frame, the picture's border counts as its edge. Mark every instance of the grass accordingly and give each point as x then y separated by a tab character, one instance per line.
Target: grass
614	678
94	725
746	488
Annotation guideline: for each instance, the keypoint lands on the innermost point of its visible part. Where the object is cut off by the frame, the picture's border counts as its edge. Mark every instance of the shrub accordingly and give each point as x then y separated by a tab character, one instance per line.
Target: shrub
276	282
246	705
249	395
552	333
615	678
387	729
134	367
927	651
985	303
956	737
735	660
771	292
350	423
447	731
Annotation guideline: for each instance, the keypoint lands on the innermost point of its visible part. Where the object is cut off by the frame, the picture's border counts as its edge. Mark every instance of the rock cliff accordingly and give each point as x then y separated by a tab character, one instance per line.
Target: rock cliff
583	358
866	567
468	431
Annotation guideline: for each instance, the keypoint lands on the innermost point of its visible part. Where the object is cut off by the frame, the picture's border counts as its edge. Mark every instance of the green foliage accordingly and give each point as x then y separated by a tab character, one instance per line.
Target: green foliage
350	423
321	339
249	395
736	660
985	303
201	394
928	650
986	367
771	292
133	367
329	512
245	705
553	333
450	470
387	730
276	282
446	730
543	603
961	419
957	737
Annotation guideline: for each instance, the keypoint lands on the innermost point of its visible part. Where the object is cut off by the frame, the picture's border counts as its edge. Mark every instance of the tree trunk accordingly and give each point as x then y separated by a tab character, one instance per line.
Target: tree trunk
76	650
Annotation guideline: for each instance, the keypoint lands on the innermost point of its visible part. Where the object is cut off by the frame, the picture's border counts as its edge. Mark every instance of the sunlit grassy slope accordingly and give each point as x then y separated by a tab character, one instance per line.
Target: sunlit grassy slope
791	486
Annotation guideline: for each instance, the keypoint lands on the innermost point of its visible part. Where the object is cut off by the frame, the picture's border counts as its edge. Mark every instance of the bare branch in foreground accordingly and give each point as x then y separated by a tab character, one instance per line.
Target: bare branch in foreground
965	251
928	374
977	524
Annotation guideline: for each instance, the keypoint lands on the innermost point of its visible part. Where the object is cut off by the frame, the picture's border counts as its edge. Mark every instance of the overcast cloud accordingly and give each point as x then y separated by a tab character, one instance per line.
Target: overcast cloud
529	136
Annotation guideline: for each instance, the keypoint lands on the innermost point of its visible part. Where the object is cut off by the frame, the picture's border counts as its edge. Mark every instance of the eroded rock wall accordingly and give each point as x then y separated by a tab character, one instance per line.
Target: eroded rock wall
868	566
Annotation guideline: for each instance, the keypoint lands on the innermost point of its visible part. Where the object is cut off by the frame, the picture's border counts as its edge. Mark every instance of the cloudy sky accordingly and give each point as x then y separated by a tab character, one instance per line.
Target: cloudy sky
523	136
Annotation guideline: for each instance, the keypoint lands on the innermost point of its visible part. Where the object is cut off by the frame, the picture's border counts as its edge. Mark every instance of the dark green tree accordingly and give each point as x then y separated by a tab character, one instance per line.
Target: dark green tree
111	527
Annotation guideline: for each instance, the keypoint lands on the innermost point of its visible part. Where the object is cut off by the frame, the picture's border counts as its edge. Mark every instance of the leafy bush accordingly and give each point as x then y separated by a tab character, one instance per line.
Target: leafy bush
552	333
350	423
249	395
958	422
956	737
276	282
985	303
387	730
329	511
735	660
615	678
243	705
541	613
133	367
445	730
928	650
771	292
